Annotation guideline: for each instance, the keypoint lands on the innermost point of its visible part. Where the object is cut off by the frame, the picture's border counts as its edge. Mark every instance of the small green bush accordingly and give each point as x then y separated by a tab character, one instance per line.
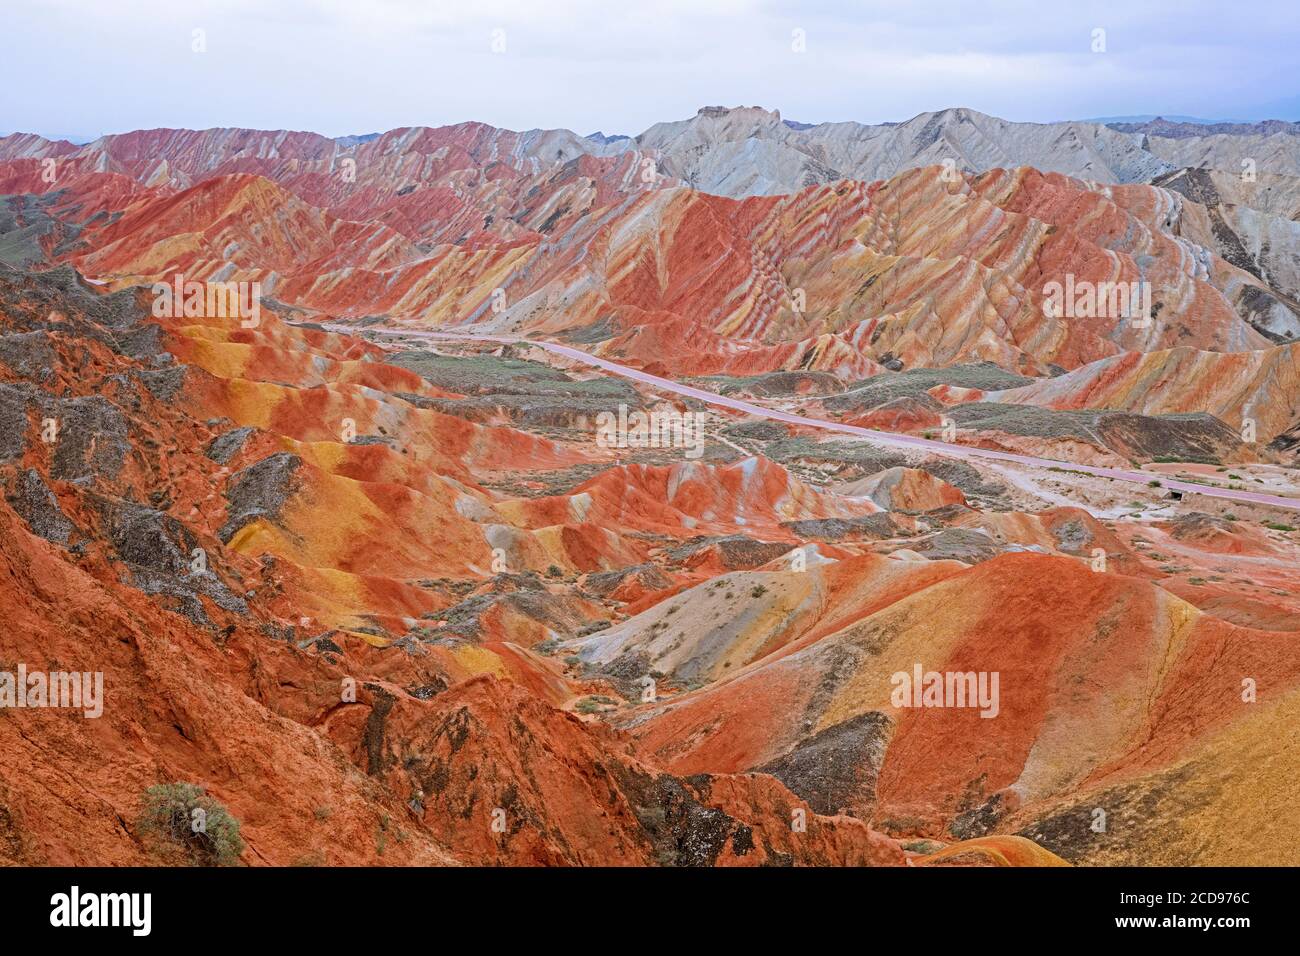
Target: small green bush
210	838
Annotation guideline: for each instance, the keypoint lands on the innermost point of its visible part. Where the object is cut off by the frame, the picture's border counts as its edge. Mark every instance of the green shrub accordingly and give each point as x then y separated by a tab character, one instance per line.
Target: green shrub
209	838
923	846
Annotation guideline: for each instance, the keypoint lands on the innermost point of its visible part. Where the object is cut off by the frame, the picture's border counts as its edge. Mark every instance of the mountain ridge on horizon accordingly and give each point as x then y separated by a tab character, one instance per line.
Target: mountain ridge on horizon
81	140
737	151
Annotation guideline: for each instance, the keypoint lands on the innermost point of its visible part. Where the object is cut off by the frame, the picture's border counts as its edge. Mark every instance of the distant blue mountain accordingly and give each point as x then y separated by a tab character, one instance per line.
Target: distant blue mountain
1148	117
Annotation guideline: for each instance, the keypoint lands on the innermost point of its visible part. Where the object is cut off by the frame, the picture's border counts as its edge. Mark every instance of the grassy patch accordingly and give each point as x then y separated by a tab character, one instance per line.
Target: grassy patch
595	704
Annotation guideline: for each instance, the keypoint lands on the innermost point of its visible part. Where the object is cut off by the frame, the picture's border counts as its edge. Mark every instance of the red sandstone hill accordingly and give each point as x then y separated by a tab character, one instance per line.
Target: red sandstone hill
1111	691
536	233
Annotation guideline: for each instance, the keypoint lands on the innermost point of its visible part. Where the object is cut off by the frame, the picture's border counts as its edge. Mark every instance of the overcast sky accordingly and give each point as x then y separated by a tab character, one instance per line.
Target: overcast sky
79	68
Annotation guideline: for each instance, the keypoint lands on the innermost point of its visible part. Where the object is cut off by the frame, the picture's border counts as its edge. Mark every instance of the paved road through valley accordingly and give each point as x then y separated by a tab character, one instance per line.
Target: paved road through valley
884	438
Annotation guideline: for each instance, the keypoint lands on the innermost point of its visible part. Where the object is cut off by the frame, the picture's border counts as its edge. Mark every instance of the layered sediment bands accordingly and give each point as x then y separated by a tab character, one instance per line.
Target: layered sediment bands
692	497
992	851
905	489
1269	147
715	629
467	225
736	152
1262	386
1252	223
1074	649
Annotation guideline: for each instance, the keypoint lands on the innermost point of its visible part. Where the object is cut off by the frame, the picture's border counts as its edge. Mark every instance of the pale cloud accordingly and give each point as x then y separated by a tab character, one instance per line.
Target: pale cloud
82	67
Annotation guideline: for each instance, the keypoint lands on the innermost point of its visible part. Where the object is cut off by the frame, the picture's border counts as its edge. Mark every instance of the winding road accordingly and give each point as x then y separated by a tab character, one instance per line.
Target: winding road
884	438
